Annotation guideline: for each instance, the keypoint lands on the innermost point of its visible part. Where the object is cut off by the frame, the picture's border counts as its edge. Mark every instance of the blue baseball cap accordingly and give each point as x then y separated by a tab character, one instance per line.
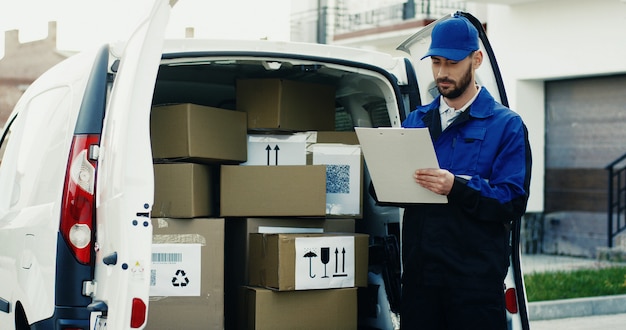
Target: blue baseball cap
454	38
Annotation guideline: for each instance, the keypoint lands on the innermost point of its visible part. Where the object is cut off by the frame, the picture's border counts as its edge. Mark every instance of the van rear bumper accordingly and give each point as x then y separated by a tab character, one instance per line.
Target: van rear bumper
65	317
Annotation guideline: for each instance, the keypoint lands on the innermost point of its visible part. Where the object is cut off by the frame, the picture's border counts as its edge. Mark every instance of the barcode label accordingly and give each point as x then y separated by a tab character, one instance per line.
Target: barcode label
167	257
152	277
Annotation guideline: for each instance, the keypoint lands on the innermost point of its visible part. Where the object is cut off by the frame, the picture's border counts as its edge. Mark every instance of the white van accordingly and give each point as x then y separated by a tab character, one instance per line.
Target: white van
76	162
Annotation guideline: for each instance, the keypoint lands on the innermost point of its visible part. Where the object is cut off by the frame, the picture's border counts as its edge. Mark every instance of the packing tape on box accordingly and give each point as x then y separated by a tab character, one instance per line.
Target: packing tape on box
179	239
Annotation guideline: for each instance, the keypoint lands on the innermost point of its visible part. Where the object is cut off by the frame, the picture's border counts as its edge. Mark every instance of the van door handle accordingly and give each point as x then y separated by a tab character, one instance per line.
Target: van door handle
26	259
111	259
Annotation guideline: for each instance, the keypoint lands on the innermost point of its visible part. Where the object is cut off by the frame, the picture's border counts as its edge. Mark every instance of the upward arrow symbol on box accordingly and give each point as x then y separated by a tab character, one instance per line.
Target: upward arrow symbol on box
269	150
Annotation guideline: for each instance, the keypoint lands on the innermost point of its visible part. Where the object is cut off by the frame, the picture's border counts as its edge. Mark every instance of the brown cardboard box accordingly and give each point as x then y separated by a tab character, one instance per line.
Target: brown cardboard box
184	190
303	310
203	311
238	231
198	134
259	191
286	104
345	137
287	262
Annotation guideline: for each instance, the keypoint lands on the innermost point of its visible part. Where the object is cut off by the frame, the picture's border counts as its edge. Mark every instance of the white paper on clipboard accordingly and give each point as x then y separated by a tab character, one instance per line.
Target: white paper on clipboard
392	155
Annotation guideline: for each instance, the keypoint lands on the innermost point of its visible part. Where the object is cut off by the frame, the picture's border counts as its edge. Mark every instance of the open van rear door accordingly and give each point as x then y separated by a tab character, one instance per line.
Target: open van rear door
125	184
488	75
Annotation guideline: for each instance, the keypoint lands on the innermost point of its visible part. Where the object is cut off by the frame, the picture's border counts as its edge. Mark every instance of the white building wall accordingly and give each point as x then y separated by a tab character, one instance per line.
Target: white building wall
544	40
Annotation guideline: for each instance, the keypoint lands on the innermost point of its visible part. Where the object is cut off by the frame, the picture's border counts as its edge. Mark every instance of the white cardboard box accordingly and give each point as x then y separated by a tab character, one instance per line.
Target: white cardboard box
276	149
343	177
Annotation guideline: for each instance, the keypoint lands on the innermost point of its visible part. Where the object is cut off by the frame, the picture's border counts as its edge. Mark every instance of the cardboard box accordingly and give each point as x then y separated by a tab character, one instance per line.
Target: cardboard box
184	190
287	262
303	310
257	191
277	149
238	231
193	309
344	177
198	134
340	151
343	137
286	104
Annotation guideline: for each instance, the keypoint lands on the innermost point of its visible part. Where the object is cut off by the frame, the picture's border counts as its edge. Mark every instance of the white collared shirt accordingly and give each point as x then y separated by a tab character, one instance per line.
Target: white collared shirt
449	114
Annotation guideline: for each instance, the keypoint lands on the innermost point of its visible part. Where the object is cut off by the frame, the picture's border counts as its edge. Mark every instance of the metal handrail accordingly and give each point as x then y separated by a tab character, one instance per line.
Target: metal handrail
616	200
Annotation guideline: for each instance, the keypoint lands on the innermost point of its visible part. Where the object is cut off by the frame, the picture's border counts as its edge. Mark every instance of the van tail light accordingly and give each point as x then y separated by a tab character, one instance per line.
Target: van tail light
510	297
78	208
138	313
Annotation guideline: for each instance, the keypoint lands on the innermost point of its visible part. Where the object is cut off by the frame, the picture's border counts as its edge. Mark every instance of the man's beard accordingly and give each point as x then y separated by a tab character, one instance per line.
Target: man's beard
457	89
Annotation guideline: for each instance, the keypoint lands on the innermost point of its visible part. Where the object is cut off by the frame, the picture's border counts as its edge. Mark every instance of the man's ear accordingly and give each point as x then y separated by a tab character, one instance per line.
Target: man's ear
477	59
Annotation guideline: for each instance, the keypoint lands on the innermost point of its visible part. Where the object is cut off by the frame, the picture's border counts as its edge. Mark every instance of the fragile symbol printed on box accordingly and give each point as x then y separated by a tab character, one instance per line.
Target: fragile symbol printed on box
324	262
175	270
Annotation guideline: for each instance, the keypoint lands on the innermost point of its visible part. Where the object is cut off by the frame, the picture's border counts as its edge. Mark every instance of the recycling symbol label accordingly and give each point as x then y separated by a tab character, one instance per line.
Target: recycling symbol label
176	270
180	279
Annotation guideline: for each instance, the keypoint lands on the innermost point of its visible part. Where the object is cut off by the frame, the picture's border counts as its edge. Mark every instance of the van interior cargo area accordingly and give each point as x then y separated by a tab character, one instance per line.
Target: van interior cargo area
197	133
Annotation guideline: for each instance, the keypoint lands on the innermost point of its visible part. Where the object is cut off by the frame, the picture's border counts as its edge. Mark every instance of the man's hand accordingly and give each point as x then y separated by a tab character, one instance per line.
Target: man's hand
436	180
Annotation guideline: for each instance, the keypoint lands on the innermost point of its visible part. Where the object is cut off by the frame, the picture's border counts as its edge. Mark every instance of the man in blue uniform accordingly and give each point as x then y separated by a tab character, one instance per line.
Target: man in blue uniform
456	255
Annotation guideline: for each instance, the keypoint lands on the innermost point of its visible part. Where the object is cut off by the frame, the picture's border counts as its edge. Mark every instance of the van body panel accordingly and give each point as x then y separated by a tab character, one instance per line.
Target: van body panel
30	194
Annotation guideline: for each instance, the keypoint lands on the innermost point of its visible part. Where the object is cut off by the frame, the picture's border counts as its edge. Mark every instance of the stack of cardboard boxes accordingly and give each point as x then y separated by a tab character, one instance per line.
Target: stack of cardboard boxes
254	212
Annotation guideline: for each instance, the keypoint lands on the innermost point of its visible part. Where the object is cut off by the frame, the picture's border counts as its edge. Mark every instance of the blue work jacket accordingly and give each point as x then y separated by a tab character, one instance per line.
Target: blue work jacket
466	241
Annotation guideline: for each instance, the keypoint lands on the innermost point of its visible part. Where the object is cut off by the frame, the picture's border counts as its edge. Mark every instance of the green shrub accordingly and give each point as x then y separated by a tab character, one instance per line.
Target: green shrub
575	284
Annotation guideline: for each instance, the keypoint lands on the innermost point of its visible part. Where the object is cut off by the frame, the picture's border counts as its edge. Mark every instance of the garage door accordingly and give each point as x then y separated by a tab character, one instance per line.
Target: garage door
585	131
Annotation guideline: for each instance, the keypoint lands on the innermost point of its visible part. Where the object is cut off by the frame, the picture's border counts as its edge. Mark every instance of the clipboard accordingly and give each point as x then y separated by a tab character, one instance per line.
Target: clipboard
392	154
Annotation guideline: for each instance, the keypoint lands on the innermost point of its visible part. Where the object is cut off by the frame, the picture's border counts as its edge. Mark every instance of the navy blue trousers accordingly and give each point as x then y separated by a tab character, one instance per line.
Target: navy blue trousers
442	308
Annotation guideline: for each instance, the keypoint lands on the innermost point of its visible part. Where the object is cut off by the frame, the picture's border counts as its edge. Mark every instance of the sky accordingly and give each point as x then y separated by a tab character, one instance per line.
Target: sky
83	24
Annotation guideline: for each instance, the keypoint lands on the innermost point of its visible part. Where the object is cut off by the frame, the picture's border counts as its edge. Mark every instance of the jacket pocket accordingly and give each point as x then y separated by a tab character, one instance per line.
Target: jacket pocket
466	150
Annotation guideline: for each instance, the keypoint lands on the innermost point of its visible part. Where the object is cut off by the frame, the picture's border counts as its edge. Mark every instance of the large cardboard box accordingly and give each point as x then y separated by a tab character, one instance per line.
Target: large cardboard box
257	191
286	104
303	310
287	262
185	190
198	134
187	286
238	232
